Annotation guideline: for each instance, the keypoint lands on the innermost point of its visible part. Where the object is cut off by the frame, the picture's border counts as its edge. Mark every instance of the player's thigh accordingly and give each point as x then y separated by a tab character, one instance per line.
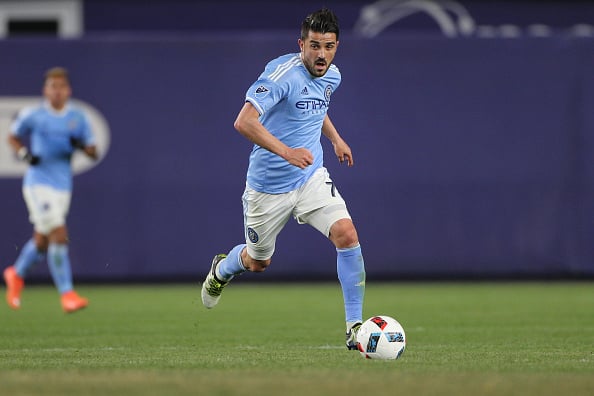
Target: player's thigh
265	215
47	207
320	203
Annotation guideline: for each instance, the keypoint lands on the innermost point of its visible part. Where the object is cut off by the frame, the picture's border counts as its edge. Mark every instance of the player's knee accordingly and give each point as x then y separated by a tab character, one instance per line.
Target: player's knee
59	235
252	264
343	234
258	265
41	242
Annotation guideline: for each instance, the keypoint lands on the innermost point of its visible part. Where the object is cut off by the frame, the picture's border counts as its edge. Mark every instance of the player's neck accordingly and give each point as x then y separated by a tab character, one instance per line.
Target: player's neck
56	107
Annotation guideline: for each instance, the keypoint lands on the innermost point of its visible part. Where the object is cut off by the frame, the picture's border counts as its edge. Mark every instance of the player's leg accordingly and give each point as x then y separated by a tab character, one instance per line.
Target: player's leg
58	259
14	276
222	269
322	206
351	274
264	217
52	222
31	254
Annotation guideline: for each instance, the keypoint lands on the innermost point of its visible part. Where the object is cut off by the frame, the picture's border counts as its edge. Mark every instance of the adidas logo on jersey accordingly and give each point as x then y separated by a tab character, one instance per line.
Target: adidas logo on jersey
304	91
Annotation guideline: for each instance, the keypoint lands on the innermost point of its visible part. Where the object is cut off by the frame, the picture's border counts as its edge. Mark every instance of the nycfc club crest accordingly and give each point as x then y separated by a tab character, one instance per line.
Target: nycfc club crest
252	235
328	93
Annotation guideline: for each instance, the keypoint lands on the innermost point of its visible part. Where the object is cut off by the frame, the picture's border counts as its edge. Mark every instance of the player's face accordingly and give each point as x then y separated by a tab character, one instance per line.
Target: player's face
57	91
317	52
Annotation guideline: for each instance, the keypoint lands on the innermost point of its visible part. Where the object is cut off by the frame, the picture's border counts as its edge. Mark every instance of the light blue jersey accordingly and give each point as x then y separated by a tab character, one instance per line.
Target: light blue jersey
292	105
49	134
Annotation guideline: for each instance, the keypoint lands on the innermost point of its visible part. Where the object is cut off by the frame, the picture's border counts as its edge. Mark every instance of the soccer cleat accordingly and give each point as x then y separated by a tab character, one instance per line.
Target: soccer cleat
72	302
212	286
351	337
14	286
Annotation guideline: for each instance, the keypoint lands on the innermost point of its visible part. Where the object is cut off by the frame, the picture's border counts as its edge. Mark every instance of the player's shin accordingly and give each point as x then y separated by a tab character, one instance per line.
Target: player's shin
232	265
351	274
28	257
59	265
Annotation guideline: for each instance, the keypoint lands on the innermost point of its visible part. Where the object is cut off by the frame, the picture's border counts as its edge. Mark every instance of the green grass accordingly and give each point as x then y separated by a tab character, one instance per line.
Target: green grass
287	339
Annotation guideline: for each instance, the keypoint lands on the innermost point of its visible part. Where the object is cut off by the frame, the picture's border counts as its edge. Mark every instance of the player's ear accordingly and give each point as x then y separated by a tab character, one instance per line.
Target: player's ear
301	44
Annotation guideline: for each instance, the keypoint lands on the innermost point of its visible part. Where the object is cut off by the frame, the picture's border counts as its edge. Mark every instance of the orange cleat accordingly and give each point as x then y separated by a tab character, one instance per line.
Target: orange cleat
14	286
72	302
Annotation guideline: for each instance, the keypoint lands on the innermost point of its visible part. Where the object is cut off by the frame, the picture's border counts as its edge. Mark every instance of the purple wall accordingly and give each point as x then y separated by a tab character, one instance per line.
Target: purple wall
473	156
116	16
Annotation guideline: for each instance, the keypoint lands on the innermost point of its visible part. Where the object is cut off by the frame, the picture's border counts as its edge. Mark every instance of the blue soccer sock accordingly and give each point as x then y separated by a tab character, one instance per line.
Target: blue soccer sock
351	274
232	265
59	265
28	257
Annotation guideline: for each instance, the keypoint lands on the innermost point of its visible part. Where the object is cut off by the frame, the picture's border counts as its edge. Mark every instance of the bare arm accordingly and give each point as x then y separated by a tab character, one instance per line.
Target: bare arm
91	152
341	149
249	125
21	150
15	143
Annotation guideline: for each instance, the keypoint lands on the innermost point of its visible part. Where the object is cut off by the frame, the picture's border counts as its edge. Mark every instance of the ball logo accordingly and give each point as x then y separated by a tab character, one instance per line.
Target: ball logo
372	344
11	167
379	321
394	336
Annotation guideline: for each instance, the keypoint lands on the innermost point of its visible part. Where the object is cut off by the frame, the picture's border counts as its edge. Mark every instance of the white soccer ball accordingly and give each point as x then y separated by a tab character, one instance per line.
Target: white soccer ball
381	337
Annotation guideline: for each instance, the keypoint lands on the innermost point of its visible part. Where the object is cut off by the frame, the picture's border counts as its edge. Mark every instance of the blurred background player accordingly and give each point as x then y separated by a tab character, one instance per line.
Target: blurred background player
284	115
54	129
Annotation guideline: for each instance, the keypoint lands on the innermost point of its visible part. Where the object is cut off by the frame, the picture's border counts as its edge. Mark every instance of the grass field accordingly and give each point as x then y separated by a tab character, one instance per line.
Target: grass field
287	339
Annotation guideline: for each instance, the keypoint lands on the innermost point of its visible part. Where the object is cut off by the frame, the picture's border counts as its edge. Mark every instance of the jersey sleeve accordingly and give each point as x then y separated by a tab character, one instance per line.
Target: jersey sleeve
21	126
83	130
86	132
264	94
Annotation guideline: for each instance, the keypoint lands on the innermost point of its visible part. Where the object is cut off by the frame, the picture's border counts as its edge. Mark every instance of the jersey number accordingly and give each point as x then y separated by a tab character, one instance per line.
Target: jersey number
332	188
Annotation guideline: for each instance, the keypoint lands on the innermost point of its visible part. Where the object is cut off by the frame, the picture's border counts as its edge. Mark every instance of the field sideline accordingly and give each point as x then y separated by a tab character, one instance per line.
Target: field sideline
519	338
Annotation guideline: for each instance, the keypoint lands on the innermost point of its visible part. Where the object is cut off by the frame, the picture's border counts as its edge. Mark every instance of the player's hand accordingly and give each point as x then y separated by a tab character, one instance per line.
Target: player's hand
24	155
343	152
77	143
299	157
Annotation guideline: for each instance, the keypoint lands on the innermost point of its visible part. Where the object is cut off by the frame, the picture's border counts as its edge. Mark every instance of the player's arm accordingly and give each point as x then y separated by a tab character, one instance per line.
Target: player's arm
83	139
249	125
21	150
341	149
90	150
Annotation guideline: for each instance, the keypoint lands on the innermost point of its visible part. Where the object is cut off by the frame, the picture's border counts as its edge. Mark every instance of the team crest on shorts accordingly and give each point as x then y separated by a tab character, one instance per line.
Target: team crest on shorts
252	235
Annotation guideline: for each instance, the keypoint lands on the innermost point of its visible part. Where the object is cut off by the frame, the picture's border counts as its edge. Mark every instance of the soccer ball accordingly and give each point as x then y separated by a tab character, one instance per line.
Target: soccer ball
381	337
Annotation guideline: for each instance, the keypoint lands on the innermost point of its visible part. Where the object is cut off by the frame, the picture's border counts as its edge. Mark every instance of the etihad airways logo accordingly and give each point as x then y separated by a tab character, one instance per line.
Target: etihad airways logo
11	105
312	104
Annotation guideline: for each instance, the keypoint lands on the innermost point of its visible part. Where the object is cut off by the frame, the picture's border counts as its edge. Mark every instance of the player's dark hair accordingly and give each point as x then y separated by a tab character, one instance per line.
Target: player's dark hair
321	21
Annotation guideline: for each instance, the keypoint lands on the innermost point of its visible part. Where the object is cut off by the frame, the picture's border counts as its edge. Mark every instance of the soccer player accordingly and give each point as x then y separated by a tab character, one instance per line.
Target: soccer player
53	129
284	115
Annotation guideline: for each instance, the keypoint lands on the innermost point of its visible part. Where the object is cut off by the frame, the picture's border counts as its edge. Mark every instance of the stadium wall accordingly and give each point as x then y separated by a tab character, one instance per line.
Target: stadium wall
473	157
